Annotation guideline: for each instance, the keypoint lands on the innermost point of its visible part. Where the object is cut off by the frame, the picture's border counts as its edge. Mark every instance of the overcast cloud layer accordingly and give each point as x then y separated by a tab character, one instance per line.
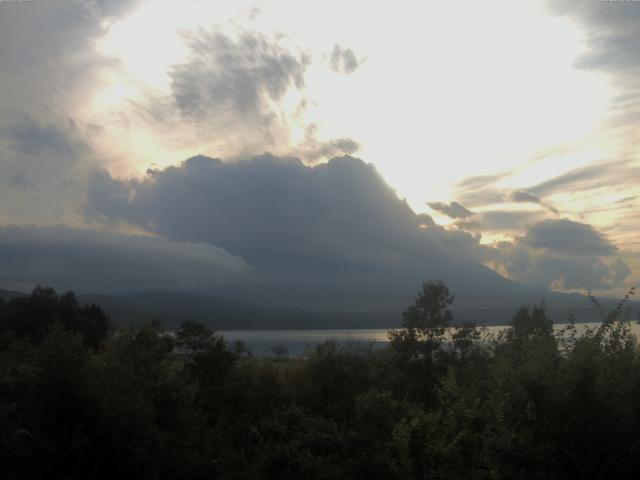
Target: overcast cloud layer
103	262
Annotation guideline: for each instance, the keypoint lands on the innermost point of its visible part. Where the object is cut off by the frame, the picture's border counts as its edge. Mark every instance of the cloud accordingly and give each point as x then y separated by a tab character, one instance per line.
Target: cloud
48	55
524	197
613	32
426	220
453	209
520	196
593	176
100	261
612	38
560	254
50	72
337	232
480	197
558	271
272	230
552	253
242	94
479	181
585	185
612	35
42	167
567	237
332	232
33	139
113	8
273	211
343	60
321	150
242	76
313	149
512	221
479	191
227	97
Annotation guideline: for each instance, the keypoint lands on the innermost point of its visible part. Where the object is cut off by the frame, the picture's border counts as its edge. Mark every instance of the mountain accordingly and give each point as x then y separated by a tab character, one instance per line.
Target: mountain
7	295
171	308
483	308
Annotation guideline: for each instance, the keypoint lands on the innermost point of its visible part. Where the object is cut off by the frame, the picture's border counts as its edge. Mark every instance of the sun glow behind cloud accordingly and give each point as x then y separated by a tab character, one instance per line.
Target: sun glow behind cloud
447	90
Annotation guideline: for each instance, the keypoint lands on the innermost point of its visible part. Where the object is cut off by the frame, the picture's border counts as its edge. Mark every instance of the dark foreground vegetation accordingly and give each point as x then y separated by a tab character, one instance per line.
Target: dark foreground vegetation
80	400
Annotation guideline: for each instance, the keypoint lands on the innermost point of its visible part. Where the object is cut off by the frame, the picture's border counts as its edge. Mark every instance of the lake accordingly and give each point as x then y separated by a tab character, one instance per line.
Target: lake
296	342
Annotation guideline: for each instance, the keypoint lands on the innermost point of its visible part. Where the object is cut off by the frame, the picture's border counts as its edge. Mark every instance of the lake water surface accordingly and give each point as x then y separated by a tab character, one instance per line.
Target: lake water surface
297	342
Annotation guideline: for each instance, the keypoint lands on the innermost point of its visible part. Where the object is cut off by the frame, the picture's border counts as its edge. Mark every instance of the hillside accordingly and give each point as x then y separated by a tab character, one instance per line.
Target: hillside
171	308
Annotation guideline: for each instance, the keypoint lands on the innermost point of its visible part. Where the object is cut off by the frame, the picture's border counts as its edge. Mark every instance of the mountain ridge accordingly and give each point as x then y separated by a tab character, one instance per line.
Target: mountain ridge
222	313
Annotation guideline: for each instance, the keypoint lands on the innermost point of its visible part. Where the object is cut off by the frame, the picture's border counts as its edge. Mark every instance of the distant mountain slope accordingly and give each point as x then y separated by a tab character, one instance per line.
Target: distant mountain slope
171	308
7	295
497	309
484	309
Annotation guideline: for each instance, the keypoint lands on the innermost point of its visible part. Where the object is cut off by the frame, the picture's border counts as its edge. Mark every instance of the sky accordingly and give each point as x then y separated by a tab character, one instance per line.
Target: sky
214	145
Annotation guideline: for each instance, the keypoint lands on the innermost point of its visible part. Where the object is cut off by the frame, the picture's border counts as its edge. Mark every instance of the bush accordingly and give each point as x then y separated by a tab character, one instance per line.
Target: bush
78	400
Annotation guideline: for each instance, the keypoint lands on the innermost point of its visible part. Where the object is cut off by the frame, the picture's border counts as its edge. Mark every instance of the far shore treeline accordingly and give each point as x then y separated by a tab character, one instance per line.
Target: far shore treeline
81	399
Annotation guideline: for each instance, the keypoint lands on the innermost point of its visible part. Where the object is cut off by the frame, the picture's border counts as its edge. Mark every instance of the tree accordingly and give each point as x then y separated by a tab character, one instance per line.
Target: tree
425	322
194	336
531	321
280	351
33	316
240	348
416	344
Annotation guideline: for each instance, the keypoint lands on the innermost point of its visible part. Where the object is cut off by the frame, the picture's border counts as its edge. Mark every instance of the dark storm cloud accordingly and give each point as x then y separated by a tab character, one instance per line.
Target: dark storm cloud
234	75
98	261
452	210
331	233
272	211
343	60
567	237
335	228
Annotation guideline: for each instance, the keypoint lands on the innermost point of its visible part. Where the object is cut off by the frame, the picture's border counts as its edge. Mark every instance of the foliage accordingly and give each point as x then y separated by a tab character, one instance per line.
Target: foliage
79	400
34	316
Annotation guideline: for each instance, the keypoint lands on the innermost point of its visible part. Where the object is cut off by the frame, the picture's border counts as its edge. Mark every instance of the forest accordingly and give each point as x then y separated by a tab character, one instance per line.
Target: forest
80	399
